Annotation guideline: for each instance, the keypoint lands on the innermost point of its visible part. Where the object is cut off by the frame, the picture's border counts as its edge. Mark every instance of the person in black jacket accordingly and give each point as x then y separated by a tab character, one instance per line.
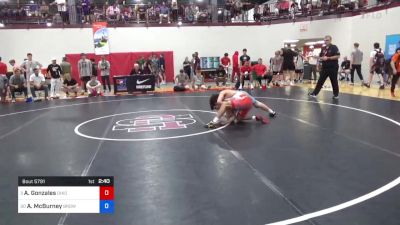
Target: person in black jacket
329	58
94	67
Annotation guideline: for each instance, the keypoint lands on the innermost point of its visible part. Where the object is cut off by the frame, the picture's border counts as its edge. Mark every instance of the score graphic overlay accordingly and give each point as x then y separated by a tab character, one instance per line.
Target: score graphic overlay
66	195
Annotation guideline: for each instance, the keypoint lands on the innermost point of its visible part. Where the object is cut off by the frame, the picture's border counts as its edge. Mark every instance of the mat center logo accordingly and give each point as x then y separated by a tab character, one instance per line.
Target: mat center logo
154	123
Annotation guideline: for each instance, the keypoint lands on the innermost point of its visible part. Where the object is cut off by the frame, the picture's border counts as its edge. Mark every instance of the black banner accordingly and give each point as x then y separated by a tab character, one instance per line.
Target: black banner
134	83
65	181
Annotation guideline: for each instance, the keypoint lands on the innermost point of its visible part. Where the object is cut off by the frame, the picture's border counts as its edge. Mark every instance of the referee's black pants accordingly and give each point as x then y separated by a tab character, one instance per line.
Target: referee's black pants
332	73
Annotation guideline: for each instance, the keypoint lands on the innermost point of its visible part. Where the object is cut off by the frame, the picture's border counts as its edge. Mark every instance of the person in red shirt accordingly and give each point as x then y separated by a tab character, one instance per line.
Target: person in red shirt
226	63
235	66
395	63
3	68
245	74
261	72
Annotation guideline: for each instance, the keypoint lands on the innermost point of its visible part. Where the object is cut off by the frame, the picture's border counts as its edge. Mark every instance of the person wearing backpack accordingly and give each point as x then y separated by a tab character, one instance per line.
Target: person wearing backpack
395	63
377	63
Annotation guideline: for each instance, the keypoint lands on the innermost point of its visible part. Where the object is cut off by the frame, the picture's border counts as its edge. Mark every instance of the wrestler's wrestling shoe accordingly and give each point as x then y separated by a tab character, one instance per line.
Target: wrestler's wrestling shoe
262	119
211	125
272	114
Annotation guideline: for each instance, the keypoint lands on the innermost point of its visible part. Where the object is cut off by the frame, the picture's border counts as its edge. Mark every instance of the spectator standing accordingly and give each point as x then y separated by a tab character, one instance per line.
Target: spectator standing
3	81
312	58
376	65
86	10
395	64
226	63
62	9
244	58
155	69
104	67
3	68
147	66
85	70
65	67
288	65
161	67
299	70
141	62
235	67
28	66
196	63
54	71
174	7
187	66
329	58
356	61
276	68
17	83
94	67
3	87
38	83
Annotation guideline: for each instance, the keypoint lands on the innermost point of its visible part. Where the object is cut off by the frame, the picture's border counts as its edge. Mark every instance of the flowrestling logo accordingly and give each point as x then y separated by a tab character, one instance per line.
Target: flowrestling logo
147	125
154	123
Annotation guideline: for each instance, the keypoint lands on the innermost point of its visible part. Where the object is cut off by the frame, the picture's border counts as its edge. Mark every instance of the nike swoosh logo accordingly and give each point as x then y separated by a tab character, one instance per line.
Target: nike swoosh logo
141	81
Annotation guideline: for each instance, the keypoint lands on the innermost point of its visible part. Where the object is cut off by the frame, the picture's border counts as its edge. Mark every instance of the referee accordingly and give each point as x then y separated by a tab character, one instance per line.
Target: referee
329	58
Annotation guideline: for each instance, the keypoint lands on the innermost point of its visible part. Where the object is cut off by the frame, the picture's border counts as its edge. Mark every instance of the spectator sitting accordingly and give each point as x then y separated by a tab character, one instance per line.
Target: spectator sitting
3	87
141	10
198	82
221	76
164	13
261	72
136	70
70	85
181	81
94	87
38	83
113	13
245	74
126	13
17	83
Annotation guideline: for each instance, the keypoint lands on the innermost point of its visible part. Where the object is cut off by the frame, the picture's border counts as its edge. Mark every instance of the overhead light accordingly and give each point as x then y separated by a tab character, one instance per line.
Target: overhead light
32	2
1	24
49	24
320	42
290	41
199	0
219	11
293	45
